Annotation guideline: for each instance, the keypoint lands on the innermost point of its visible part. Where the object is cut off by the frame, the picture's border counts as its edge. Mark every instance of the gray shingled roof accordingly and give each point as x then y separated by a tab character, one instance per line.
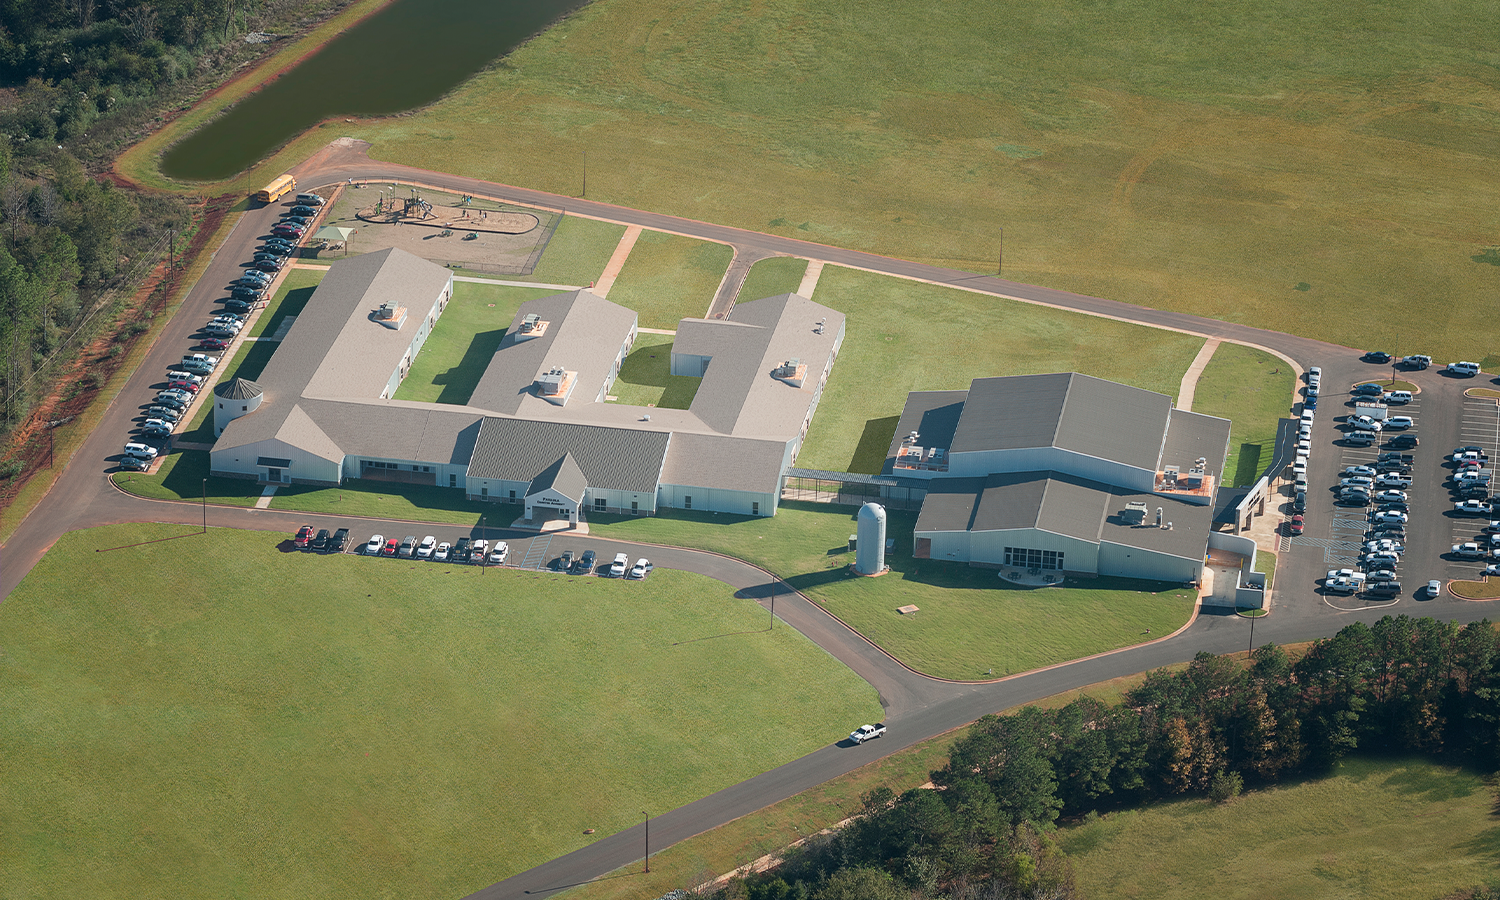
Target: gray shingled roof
238	389
563	476
610	458
1191	435
716	461
1067	410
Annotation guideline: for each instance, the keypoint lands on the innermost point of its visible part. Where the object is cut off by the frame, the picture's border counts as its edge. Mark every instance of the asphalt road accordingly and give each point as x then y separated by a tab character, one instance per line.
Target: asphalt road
917	707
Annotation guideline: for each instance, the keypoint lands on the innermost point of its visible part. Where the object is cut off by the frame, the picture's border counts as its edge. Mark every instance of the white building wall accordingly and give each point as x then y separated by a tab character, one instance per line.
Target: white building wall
620	501
1041	459
951	546
989	547
305	467
742	503
1134	562
494	488
689	364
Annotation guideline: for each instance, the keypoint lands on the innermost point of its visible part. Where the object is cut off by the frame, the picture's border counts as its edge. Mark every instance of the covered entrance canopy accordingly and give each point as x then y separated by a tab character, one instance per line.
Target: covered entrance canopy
557	490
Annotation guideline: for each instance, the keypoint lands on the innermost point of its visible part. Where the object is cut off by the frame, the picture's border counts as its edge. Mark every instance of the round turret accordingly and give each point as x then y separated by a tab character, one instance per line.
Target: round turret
234	398
869	555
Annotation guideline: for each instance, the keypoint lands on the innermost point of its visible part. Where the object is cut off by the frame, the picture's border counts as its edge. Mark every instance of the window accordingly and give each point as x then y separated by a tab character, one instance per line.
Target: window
687	501
755	508
484	492
452	481
245	408
1027	558
512	495
635	507
600	504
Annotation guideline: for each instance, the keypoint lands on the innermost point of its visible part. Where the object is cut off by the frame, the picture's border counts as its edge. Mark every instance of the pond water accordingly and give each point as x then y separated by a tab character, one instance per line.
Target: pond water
403	57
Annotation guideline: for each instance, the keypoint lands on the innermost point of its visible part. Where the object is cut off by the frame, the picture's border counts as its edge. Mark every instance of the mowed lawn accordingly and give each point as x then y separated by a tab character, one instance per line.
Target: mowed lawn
1253	389
669	278
646	377
1269	165
577	254
905	336
969	620
772	278
1386	829
464	341
266	723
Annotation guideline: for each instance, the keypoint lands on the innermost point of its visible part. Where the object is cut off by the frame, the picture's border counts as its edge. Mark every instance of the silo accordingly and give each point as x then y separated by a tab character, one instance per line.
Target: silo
234	398
869	558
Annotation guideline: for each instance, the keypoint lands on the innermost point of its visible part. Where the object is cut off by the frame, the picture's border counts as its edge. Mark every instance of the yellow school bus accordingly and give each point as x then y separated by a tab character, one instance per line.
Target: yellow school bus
276	189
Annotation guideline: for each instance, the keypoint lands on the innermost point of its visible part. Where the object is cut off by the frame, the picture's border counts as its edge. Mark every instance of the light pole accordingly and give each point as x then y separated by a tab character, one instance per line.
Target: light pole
1251	648
648	841
1000	269
773	607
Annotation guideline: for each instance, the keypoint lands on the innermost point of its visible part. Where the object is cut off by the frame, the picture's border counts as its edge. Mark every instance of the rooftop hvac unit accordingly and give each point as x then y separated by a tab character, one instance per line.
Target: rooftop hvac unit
530	322
387	311
787	368
821	324
551	383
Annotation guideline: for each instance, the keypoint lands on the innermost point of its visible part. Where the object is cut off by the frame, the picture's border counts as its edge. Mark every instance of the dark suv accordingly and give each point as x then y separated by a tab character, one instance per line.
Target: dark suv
586	563
339	541
461	550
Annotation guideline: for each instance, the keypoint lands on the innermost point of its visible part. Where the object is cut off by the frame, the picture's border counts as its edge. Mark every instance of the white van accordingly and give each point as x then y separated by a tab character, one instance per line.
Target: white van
1463	368
310	200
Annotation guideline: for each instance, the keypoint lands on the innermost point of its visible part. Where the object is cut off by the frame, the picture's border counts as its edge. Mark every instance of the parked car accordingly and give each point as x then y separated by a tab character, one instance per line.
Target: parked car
1296	525
1491	569
1391	495
319	543
244	295
643	567
498	553
1469	550
1368	390
1397	398
339	541
1383	589
299	221
479	551
156	427
268	265
1435	587
303	535
212	344
426	548
1299	502
303	210
618	567
1462	369
1376	356
1384	545
1310	401
140	451
134	464
443	551
1416	361
286	230
565	562
164	412
1391	516
237	305
1365	423
169	403
1359	438
586	563
1341	586
1359	481
1360	470
220	329
407	547
1382	560
461	550
390	547
1473	508
1402	441
374	545
1393	480
1398	423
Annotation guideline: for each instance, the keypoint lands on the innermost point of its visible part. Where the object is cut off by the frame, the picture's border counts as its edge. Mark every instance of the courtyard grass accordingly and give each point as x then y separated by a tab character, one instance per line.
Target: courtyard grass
970	622
669	278
181	475
463	342
903	336
1253	389
773	277
1376	828
391	727
646	377
578	252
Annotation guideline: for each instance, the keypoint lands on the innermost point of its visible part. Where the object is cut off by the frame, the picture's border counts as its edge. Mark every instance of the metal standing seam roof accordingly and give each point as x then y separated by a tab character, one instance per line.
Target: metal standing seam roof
610	458
1068	411
584	334
238	389
934	415
1065	505
563	476
1191	435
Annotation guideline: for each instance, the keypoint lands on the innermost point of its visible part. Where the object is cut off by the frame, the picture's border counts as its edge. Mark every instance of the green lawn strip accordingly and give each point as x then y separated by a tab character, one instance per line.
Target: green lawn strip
969	621
773	277
181	477
771	830
1252	389
1403	830
1265	563
904	336
392	727
463	342
578	252
669	278
646	377
290	298
390	500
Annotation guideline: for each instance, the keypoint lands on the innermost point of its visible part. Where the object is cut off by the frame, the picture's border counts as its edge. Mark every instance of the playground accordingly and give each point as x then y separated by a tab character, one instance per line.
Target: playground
449	229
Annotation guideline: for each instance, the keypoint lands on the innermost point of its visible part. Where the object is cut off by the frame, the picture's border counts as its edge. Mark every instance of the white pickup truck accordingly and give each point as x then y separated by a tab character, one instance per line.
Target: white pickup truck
867	732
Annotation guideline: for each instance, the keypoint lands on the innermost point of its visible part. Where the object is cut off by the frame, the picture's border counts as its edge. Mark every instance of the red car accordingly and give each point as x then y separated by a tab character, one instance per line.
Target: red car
1296	525
189	386
304	534
213	344
390	547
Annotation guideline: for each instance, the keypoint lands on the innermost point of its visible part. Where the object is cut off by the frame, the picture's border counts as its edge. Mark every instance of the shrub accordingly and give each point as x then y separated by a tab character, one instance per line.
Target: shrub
1225	786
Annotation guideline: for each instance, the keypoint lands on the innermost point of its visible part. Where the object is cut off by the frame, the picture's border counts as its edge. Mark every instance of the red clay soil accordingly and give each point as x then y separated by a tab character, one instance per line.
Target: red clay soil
77	386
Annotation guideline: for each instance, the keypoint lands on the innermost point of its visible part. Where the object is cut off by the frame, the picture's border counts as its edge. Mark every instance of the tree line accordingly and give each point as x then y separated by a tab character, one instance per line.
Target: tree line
1401	685
79	81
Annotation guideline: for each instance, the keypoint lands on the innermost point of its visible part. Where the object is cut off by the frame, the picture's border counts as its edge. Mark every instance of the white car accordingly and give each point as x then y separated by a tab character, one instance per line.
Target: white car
1384	545
1390	515
424	549
443	551
1393	480
1473	508
1391	496
140	451
1364	423
373	547
479	551
498	553
1340	586
1469	550
1377	561
1435	587
1467	369
1398	423
1346	574
1368	471
156	427
618	567
641	567
1358	481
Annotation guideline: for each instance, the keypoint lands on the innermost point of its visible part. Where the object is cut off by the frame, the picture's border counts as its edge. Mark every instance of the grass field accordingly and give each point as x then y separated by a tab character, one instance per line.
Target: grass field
578	252
1252	389
773	277
646	377
903	336
463	342
289	300
1394	830
970	620
669	278
394	728
1266	165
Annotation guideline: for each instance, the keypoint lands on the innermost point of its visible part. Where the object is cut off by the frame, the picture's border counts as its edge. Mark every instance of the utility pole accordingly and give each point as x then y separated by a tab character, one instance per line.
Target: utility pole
205	506
172	255
648	841
1000	269
773	607
585	172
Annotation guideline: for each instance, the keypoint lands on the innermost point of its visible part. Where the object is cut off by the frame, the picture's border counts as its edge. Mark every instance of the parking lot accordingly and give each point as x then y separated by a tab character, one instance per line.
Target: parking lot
569	554
1336	530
